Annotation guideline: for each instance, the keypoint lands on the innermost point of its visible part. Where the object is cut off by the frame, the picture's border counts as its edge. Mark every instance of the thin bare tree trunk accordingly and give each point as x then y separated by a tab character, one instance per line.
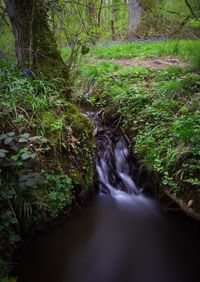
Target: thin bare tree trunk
135	11
99	13
90	12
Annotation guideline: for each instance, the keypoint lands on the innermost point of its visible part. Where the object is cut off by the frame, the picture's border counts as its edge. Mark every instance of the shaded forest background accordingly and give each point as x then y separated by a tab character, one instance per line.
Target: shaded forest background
86	22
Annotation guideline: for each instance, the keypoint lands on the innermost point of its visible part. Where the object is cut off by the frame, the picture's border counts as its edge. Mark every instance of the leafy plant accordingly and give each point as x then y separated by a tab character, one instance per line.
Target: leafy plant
60	192
159	109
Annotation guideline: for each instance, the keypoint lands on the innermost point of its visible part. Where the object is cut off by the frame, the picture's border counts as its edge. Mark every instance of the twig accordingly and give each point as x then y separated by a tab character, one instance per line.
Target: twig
189	7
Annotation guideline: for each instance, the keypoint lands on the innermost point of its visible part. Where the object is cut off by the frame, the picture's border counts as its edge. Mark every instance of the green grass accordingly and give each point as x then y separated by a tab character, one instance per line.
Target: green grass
179	48
160	109
188	50
65	53
41	134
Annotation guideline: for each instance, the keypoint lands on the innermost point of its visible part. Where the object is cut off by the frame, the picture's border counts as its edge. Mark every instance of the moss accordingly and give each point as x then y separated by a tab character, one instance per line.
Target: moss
64	163
51	125
73	133
83	130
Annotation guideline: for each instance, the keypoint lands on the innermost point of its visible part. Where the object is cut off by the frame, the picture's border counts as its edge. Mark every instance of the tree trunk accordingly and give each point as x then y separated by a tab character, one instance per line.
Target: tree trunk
90	12
135	11
99	13
35	46
114	10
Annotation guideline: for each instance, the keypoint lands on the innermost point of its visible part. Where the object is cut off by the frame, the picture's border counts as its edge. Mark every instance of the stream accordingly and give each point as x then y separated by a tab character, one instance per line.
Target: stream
120	236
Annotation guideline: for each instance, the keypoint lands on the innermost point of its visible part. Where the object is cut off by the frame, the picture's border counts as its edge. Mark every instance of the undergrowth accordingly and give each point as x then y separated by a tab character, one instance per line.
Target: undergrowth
160	110
45	156
183	49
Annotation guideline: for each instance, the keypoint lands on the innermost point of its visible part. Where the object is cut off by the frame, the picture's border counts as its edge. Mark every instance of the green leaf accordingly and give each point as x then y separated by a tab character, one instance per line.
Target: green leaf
35	138
26	155
38	138
22	140
11	134
25	135
14	158
3	136
3	153
30	182
8	140
23	177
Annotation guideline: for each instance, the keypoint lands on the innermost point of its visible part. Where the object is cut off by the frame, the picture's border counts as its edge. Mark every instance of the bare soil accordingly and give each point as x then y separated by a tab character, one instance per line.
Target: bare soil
150	63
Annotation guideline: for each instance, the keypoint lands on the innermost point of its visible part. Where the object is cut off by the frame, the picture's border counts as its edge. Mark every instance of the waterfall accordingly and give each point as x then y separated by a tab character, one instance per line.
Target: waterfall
120	235
113	167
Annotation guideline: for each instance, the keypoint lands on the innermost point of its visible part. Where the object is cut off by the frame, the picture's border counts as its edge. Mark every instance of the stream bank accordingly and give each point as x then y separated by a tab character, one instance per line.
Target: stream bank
120	236
46	158
159	112
148	181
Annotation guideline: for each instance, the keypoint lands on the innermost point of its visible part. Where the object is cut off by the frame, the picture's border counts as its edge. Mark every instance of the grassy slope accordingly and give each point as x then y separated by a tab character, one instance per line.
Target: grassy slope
160	109
180	48
183	49
46	149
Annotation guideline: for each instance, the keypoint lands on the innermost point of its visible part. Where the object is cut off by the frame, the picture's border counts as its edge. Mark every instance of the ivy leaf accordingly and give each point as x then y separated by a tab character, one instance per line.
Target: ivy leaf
3	136
28	155
25	135
3	153
38	138
34	138
23	177
11	134
30	182
8	140
23	138
25	156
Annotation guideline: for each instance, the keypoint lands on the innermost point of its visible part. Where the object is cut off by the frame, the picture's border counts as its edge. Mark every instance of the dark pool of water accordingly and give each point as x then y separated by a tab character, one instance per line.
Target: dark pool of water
115	240
122	236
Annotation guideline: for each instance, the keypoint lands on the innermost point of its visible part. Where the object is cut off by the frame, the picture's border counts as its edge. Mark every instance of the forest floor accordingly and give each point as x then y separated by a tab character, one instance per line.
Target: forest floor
149	63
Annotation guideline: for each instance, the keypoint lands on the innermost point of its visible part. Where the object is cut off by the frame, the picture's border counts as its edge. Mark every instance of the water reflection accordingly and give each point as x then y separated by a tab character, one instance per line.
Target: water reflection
120	237
114	241
128	243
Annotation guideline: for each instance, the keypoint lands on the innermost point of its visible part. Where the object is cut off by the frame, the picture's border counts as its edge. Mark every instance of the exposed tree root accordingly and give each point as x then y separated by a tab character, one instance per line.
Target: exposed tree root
183	205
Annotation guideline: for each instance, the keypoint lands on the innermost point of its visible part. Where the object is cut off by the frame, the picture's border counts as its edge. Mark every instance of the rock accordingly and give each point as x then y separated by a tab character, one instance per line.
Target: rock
190	203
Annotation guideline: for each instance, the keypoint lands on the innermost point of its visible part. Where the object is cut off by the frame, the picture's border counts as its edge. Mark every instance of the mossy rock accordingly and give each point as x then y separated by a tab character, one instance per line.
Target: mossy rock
72	123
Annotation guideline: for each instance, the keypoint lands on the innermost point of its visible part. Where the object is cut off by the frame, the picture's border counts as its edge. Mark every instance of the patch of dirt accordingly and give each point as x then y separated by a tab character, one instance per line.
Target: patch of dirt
149	63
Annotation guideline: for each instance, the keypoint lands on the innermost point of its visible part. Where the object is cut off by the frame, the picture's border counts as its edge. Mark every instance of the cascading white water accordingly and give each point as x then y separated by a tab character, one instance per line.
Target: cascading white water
120	154
125	245
121	236
113	167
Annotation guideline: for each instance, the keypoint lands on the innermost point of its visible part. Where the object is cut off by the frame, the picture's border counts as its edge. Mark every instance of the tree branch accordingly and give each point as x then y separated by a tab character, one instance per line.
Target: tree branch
189	7
171	12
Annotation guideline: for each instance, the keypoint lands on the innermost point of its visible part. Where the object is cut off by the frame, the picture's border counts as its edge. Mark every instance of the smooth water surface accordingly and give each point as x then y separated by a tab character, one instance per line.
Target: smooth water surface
119	237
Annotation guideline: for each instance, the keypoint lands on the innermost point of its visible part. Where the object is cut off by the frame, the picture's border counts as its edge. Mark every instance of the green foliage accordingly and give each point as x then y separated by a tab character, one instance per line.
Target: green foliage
160	109
194	57
169	18
180	48
6	40
18	189
60	192
41	133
